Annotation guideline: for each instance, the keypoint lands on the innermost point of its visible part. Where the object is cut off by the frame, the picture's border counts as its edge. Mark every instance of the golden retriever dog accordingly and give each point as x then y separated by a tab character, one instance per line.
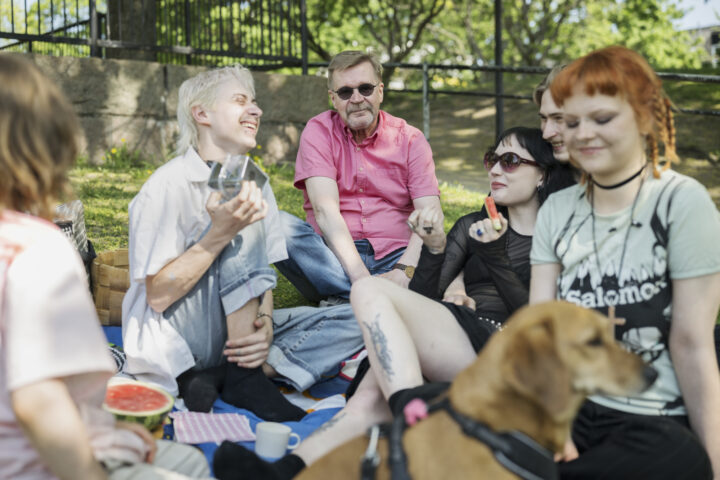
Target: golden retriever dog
531	377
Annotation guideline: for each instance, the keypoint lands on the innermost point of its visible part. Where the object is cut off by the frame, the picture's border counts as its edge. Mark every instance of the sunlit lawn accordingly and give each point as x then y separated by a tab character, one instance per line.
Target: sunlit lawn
107	191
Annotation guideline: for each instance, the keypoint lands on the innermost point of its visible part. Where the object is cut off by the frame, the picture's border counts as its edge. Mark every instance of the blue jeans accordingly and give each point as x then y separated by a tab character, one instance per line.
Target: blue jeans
314	269
308	342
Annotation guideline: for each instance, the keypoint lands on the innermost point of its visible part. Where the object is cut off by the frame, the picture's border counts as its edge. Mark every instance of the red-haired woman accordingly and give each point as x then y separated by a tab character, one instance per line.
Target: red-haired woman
641	240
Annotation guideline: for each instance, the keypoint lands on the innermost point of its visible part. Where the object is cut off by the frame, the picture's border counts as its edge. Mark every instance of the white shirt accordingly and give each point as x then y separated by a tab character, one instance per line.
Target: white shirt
167	217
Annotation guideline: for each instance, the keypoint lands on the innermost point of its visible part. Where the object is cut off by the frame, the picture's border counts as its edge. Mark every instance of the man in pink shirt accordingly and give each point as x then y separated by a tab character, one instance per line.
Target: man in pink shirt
362	172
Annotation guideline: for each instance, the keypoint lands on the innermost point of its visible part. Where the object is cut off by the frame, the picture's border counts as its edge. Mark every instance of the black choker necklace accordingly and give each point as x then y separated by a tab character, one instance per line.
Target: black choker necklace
619	184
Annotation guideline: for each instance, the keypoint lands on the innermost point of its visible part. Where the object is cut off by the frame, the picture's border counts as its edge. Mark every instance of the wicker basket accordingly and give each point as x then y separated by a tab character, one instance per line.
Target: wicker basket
111	280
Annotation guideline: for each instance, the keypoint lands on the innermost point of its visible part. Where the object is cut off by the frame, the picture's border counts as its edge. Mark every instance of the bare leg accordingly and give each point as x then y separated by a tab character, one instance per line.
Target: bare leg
240	323
364	409
408	335
200	388
250	388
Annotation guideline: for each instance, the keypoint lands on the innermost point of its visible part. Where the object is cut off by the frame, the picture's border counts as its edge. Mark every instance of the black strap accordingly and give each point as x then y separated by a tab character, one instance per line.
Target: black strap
397	458
514	450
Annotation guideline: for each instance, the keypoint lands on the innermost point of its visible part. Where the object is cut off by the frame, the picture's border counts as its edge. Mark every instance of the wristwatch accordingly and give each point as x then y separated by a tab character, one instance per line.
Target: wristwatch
408	269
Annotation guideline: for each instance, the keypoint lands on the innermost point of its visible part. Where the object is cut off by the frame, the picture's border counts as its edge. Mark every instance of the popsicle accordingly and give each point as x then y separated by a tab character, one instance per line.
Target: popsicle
492	211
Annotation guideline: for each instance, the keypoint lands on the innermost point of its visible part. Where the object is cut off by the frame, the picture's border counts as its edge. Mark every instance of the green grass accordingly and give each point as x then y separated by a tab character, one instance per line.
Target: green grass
106	192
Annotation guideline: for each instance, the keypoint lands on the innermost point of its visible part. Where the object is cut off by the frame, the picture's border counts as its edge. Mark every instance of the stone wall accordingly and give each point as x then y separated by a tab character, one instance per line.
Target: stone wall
136	101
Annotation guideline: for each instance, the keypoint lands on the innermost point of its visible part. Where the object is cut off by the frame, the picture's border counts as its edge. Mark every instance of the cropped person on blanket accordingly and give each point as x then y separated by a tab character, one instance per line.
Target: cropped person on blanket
410	336
200	307
54	360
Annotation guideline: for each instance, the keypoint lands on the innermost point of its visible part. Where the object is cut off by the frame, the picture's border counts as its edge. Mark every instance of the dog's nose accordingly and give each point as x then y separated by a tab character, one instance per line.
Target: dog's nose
649	374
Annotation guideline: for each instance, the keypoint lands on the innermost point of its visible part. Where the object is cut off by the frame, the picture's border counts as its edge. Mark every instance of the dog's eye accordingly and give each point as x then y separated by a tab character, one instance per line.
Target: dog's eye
595	342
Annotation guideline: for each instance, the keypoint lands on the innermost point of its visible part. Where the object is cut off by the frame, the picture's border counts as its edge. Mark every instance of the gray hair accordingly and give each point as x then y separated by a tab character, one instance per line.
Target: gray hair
350	58
202	90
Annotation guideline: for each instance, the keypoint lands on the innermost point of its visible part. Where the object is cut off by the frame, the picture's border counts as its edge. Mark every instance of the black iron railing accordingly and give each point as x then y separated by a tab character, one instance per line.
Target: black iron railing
264	34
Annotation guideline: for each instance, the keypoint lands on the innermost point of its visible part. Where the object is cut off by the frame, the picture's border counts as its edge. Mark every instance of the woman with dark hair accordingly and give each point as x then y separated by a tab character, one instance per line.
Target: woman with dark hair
409	336
491	270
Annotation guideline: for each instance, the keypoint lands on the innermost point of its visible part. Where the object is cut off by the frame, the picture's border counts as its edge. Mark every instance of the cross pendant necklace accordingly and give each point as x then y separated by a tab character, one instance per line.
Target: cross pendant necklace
613	320
611	308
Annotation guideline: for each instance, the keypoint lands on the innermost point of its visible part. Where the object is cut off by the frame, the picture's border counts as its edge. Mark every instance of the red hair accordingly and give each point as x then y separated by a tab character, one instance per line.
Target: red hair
618	70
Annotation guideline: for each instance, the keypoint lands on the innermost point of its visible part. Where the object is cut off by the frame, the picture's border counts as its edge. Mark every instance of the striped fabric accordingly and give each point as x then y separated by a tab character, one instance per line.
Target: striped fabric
197	427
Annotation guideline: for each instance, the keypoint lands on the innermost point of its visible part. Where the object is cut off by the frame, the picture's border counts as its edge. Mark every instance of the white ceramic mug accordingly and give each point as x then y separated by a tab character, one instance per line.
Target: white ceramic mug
271	439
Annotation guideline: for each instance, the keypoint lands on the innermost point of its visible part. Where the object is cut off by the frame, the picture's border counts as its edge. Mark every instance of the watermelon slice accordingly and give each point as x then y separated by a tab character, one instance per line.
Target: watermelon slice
138	402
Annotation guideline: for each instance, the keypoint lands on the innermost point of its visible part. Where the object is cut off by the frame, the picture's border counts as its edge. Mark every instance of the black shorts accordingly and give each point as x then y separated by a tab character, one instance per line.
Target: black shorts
477	330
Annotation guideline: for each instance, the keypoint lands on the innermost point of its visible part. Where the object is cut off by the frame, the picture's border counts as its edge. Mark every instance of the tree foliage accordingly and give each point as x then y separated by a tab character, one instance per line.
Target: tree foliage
533	27
642	25
393	29
535	32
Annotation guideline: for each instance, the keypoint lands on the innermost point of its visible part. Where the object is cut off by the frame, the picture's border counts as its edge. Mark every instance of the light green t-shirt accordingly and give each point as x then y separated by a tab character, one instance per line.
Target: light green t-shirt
675	234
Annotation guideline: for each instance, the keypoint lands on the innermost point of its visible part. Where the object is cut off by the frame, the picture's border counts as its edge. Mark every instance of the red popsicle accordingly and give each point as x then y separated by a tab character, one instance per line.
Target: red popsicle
492	211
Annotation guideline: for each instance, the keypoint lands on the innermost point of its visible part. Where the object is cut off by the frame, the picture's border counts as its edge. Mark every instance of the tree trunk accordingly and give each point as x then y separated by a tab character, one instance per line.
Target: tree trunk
132	21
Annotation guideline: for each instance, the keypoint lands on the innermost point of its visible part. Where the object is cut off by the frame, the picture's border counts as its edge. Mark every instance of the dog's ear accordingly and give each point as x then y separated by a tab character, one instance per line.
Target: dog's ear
535	370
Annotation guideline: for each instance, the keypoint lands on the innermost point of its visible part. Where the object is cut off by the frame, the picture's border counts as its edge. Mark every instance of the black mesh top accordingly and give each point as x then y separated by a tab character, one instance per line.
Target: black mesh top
497	274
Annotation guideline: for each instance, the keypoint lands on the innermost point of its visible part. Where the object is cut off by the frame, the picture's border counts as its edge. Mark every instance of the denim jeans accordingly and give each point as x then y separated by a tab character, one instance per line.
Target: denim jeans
314	269
308	342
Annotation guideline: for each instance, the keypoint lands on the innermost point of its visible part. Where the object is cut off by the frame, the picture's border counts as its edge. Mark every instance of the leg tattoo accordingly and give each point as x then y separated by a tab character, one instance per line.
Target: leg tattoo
327	425
379	341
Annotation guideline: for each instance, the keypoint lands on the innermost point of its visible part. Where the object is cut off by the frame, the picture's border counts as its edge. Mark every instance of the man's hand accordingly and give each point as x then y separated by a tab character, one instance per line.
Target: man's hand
396	276
144	434
483	231
245	208
428	224
460	299
252	350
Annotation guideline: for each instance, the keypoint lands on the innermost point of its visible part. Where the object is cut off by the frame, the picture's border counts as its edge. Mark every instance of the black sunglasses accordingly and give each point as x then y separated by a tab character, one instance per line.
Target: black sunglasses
509	161
366	89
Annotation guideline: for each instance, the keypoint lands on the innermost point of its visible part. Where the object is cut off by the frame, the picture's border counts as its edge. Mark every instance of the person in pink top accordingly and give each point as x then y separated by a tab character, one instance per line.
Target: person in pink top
54	359
362	172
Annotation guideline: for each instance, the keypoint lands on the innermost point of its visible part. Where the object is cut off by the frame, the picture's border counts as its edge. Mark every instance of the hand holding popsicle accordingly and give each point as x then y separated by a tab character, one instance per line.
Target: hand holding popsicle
483	230
493	213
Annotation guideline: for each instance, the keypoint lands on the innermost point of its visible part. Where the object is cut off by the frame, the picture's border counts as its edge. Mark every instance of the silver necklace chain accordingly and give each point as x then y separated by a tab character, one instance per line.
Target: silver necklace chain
627	232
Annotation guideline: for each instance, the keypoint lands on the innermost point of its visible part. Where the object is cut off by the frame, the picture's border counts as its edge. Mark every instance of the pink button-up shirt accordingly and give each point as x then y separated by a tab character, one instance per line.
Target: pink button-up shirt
377	180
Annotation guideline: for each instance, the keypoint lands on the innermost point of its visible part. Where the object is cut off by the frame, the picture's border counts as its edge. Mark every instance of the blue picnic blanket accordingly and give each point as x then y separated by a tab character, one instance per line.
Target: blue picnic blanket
313	420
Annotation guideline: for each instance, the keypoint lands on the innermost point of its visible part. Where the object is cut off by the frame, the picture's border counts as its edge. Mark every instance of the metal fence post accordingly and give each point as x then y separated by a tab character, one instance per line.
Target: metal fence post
304	36
426	102
499	107
188	37
94	50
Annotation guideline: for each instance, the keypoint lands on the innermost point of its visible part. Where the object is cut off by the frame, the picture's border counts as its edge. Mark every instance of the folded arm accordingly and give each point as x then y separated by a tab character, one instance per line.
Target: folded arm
176	278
